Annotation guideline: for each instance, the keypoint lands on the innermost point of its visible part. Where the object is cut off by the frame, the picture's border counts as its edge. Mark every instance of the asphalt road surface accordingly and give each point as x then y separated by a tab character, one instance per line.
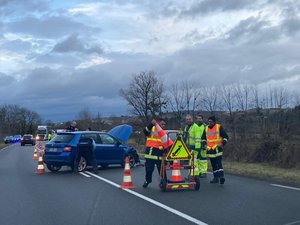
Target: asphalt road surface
28	198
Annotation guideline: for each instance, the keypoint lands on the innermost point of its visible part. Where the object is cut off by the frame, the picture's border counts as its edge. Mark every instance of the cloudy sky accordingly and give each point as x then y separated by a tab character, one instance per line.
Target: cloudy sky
60	57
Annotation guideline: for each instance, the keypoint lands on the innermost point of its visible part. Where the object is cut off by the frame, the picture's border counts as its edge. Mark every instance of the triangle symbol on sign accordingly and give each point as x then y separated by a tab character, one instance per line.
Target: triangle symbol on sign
178	150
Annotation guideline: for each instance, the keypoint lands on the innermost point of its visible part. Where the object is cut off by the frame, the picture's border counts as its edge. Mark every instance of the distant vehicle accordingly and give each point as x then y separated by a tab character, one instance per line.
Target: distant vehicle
16	138
110	148
60	130
172	134
41	133
8	139
27	139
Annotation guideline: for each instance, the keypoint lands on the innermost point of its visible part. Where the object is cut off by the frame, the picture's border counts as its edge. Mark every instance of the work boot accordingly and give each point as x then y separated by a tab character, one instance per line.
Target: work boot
222	180
215	180
145	184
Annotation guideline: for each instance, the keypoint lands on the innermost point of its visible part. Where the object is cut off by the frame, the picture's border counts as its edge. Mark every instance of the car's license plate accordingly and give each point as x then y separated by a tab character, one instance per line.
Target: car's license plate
52	150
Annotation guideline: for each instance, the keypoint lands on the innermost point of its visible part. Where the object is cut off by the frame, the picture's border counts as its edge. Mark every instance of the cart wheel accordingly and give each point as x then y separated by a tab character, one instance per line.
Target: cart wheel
197	180
163	185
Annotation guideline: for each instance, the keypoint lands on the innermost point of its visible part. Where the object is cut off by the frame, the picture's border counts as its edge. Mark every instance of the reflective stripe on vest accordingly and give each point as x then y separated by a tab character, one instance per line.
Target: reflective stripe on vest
213	138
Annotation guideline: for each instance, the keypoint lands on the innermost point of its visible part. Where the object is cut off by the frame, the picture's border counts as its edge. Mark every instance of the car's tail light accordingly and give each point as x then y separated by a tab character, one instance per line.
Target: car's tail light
67	149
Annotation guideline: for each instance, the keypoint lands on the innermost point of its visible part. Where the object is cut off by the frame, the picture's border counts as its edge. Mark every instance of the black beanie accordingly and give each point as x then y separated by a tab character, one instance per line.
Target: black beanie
213	118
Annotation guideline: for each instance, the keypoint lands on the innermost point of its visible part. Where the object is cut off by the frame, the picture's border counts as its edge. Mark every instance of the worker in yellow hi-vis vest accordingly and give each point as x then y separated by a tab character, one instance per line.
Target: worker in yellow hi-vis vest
194	137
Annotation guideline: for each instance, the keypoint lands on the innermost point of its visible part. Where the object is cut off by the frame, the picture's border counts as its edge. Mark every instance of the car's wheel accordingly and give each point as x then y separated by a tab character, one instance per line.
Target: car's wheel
53	168
197	180
82	164
131	161
22	144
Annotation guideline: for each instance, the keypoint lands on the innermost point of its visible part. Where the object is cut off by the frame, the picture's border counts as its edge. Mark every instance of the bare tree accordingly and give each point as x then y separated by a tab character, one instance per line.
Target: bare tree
242	94
281	97
17	120
227	95
176	100
144	95
85	114
209	99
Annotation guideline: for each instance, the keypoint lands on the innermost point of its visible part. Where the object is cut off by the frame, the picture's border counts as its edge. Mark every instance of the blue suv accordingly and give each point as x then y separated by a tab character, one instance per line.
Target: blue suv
110	148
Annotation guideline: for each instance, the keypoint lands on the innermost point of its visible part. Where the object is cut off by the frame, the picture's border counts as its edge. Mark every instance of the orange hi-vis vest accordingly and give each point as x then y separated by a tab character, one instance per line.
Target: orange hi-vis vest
153	140
158	138
213	137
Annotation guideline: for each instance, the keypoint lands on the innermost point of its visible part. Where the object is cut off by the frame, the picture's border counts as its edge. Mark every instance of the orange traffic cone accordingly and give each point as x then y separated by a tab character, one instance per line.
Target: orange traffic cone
127	182
40	168
42	146
35	155
176	175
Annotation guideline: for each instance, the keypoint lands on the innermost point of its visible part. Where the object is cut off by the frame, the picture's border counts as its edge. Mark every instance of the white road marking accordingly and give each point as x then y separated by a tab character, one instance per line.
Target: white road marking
178	213
293	223
86	175
287	187
6	147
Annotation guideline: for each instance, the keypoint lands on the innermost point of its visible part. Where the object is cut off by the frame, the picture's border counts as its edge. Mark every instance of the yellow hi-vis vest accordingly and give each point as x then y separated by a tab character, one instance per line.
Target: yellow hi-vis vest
194	136
213	139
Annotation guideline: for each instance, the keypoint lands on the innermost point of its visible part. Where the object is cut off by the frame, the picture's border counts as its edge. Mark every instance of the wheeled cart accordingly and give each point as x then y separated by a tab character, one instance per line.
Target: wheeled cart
178	159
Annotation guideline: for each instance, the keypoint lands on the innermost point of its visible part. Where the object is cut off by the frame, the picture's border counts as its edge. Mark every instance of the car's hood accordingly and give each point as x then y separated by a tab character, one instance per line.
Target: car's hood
121	132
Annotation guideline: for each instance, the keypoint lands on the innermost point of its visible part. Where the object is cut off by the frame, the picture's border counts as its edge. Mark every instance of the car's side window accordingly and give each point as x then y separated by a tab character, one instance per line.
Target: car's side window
96	137
108	140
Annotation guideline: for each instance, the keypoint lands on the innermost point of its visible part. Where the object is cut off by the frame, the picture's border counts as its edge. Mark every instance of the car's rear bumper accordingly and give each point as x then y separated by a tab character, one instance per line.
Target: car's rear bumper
60	159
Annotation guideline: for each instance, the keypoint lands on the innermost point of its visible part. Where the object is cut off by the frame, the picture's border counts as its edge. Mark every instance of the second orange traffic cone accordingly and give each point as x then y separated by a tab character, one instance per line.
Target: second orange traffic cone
127	181
176	175
35	153
40	168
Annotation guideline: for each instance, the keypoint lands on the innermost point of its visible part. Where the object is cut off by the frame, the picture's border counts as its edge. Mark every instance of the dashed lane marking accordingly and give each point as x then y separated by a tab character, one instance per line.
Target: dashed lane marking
287	187
293	223
174	211
83	174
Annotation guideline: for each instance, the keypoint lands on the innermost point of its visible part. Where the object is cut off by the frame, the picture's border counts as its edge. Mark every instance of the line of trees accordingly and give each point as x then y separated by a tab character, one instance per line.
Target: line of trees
264	124
17	120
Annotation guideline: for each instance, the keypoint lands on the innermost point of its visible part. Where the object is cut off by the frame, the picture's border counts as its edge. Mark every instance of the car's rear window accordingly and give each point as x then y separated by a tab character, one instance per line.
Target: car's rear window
62	138
27	136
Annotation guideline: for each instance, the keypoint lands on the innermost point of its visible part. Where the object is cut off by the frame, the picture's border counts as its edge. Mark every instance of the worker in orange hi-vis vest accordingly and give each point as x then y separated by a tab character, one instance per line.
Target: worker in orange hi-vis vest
216	139
157	143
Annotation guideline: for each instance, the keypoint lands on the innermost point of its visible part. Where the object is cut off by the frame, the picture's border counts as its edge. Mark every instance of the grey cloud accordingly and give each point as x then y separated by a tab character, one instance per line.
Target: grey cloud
6	80
291	26
51	27
16	7
208	6
17	45
4	2
218	62
73	44
253	30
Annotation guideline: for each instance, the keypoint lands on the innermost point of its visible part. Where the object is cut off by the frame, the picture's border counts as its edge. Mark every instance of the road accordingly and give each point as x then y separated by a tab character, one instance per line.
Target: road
28	198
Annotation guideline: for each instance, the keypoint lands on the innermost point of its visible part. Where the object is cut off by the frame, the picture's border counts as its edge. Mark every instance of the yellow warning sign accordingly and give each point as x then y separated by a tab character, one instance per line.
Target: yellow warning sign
179	150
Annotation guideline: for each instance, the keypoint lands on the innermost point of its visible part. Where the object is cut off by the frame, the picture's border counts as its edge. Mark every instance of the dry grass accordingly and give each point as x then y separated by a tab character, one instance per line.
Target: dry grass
263	171
3	145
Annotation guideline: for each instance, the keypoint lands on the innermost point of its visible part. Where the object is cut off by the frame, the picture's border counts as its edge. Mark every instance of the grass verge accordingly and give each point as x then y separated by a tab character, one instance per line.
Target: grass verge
263	171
